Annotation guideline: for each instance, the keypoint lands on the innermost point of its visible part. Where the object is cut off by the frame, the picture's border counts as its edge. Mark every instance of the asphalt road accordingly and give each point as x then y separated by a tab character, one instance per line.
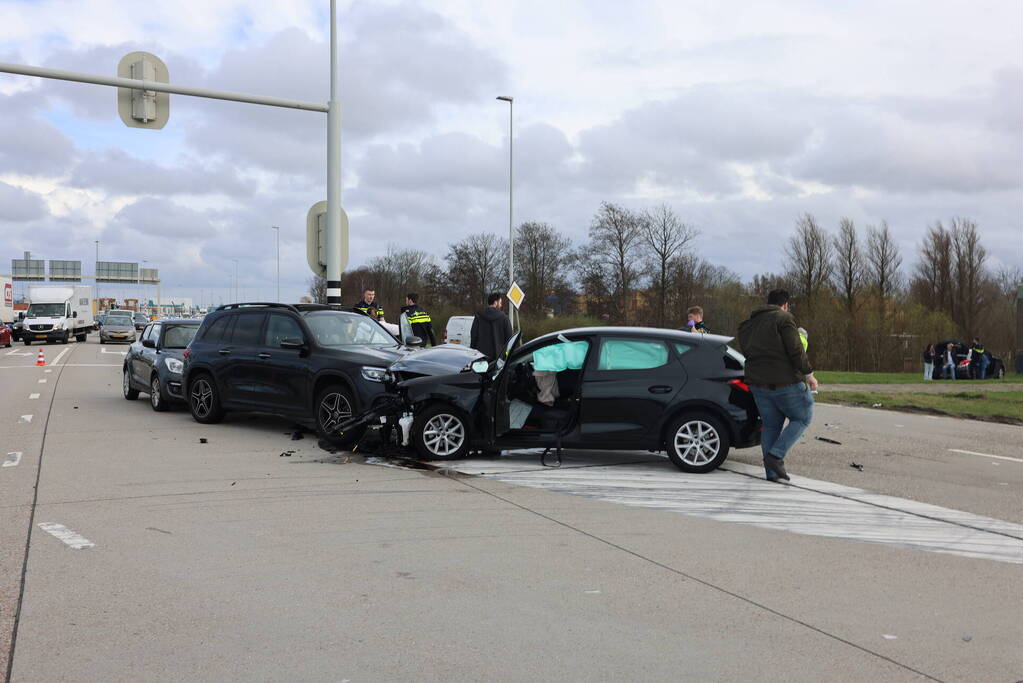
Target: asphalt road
152	556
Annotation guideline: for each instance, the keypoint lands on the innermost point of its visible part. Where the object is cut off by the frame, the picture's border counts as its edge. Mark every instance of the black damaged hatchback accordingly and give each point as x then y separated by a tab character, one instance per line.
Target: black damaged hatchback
608	388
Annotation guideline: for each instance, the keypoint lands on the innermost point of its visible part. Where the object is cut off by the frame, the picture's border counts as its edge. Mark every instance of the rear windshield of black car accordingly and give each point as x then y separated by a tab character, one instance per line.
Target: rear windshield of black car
347	329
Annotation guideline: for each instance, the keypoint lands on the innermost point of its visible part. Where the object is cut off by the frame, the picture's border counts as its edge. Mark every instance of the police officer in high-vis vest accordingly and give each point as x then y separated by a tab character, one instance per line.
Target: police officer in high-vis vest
419	319
369	306
978	359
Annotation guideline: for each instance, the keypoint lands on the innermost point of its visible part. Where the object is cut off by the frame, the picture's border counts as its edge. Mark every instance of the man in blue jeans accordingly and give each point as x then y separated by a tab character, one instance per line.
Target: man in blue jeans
780	377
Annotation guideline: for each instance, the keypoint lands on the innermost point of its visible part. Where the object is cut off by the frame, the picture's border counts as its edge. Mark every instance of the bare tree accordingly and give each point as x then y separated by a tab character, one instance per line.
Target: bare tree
318	289
809	262
615	243
665	237
883	262
970	275
849	266
932	281
477	265
542	256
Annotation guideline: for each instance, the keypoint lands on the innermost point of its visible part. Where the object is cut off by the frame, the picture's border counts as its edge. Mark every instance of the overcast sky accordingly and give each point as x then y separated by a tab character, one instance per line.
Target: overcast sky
741	118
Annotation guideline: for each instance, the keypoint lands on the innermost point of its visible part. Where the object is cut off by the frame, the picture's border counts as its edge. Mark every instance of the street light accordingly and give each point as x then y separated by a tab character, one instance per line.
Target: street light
97	276
278	231
235	279
511	197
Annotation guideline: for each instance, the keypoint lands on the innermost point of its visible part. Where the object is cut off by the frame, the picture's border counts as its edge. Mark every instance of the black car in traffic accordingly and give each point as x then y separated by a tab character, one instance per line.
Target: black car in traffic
154	363
593	388
305	362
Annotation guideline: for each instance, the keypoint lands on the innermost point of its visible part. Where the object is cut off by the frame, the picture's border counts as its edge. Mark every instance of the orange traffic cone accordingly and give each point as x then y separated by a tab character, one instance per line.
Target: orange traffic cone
40	361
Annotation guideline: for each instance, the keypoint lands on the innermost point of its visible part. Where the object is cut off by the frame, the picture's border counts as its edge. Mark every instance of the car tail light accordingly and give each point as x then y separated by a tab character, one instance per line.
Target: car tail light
739	384
186	353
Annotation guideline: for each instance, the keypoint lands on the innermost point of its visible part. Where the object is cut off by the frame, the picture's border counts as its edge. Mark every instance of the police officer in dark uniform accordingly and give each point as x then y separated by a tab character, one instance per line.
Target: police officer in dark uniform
368	305
419	319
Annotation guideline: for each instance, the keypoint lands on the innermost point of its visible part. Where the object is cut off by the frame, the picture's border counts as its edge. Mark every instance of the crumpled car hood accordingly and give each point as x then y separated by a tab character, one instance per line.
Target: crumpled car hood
445	359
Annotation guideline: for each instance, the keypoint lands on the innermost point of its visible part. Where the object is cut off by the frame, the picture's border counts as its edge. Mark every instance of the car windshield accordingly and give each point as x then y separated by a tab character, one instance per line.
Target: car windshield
347	329
45	311
178	336
118	321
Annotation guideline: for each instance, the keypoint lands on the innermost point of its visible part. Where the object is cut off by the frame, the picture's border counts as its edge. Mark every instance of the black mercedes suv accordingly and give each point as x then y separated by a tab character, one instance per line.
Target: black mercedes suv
305	362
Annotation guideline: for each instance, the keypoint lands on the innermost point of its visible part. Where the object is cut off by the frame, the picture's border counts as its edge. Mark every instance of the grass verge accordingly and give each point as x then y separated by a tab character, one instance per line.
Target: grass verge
837	377
996	406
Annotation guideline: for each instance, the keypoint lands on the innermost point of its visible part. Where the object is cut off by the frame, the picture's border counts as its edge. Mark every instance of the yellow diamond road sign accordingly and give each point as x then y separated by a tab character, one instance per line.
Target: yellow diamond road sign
516	295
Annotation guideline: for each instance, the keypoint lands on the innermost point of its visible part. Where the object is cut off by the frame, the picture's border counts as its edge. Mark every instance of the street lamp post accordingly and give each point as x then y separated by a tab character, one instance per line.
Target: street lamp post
97	276
511	200
278	231
235	279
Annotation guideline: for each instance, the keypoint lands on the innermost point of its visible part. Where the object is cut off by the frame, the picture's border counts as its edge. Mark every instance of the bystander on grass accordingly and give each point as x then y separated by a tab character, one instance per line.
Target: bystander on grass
994	406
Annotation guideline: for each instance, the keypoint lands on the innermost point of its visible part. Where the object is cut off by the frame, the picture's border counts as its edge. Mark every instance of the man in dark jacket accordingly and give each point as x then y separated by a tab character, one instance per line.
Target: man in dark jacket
780	377
419	319
491	329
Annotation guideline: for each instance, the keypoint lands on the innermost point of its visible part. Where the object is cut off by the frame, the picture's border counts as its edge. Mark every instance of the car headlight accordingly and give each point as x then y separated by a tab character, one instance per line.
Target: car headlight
175	366
375	374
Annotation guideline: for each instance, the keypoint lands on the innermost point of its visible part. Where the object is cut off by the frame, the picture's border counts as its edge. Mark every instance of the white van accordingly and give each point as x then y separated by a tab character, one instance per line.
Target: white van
57	314
459	330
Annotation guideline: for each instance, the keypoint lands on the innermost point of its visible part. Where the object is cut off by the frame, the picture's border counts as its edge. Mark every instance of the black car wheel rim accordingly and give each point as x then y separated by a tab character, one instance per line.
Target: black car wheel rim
154	393
334	409
697	443
202	398
443	434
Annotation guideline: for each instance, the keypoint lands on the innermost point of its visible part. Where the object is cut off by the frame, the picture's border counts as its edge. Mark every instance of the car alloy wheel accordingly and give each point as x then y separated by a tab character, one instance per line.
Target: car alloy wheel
201	398
156	395
334	409
129	393
697	443
443	434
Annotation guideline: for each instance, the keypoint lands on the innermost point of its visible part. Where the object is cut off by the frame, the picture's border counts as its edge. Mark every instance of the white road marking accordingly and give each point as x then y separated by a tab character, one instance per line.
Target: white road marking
25	418
47	370
33	396
59	356
69	537
16	352
12	459
986	455
42	381
738	493
103	350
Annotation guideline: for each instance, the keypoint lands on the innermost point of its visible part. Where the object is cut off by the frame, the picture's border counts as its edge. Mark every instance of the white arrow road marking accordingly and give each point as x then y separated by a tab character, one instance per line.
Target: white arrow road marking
103	350
986	455
12	459
16	352
738	493
33	396
69	537
25	418
59	356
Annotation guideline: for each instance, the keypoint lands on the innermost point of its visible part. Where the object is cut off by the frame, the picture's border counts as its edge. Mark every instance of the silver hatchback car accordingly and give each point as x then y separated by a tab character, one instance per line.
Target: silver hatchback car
117	328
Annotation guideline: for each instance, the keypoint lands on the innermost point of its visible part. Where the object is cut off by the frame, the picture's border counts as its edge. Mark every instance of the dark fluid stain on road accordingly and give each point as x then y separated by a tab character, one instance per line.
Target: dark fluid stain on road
153	528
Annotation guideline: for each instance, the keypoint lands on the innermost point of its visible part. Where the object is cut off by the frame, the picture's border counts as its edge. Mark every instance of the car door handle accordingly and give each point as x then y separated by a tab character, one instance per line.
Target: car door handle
264	355
659	389
224	352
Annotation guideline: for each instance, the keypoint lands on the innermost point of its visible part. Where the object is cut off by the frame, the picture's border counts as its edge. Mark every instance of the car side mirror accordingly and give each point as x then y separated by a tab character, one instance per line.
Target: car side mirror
149	343
292	343
413	340
74	314
480	367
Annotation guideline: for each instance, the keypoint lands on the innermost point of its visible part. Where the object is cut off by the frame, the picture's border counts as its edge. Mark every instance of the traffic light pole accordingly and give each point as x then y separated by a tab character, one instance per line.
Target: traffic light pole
333	235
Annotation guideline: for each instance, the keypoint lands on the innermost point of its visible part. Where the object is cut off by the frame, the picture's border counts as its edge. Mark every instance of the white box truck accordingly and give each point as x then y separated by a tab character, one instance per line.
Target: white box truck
57	314
7	306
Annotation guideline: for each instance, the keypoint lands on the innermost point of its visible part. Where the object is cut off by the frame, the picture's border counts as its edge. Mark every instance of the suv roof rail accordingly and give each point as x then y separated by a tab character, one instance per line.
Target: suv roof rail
265	304
314	307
